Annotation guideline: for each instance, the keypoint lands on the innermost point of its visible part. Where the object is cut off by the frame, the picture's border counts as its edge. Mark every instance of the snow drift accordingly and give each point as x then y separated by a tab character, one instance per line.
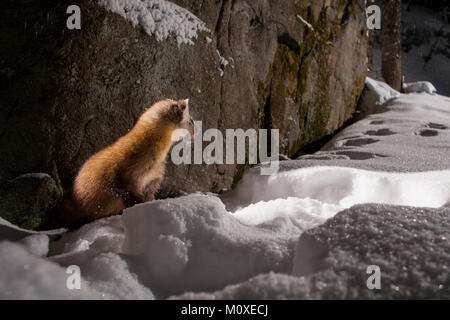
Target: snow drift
312	195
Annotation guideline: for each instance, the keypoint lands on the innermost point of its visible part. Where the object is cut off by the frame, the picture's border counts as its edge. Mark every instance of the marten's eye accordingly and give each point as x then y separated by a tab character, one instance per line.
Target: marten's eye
183	107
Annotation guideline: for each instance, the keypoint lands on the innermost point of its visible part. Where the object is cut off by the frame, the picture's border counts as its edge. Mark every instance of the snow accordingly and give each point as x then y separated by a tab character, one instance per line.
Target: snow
36	244
193	243
407	134
270	286
159	18
419	87
310	196
223	63
378	92
25	276
305	22
110	276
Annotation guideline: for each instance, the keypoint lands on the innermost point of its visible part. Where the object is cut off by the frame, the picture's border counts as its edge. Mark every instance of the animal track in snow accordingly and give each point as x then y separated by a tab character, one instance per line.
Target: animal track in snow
359	142
427	133
381	132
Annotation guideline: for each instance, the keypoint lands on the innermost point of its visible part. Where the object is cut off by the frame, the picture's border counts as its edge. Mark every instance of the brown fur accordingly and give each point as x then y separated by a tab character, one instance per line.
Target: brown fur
130	170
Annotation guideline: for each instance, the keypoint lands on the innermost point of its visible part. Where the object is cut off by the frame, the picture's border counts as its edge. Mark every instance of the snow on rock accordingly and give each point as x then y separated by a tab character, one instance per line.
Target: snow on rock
378	92
193	243
25	276
419	87
223	63
306	23
11	232
37	175
159	17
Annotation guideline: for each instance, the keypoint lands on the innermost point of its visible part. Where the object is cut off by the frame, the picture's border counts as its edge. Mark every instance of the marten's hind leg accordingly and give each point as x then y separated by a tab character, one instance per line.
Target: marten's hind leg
130	198
151	189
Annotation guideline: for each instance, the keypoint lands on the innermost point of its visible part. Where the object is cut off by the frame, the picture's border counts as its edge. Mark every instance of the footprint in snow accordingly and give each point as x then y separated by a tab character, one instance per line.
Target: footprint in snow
427	133
360	142
381	132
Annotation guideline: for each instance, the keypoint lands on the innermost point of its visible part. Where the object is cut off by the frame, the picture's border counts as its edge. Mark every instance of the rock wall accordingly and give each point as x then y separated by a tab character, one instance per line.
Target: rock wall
298	66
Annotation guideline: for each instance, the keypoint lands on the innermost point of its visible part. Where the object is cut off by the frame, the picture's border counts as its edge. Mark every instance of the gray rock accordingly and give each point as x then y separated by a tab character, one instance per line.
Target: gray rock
27	201
68	93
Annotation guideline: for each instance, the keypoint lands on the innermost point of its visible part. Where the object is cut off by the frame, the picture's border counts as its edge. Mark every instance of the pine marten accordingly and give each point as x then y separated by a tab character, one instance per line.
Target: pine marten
130	170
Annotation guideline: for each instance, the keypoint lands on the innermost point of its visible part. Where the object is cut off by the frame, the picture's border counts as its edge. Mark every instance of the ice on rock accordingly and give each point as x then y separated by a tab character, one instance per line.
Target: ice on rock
193	243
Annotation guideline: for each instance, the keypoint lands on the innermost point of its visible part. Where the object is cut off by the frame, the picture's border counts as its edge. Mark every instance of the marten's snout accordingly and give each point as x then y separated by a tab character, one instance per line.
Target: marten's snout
187	122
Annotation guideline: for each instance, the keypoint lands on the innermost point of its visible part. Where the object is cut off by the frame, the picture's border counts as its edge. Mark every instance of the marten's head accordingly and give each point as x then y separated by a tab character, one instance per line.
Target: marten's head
172	114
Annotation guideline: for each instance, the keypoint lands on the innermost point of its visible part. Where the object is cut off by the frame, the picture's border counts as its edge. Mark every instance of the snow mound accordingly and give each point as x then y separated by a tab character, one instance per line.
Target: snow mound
104	235
310	196
419	87
192	243
158	17
379	92
96	248
110	276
